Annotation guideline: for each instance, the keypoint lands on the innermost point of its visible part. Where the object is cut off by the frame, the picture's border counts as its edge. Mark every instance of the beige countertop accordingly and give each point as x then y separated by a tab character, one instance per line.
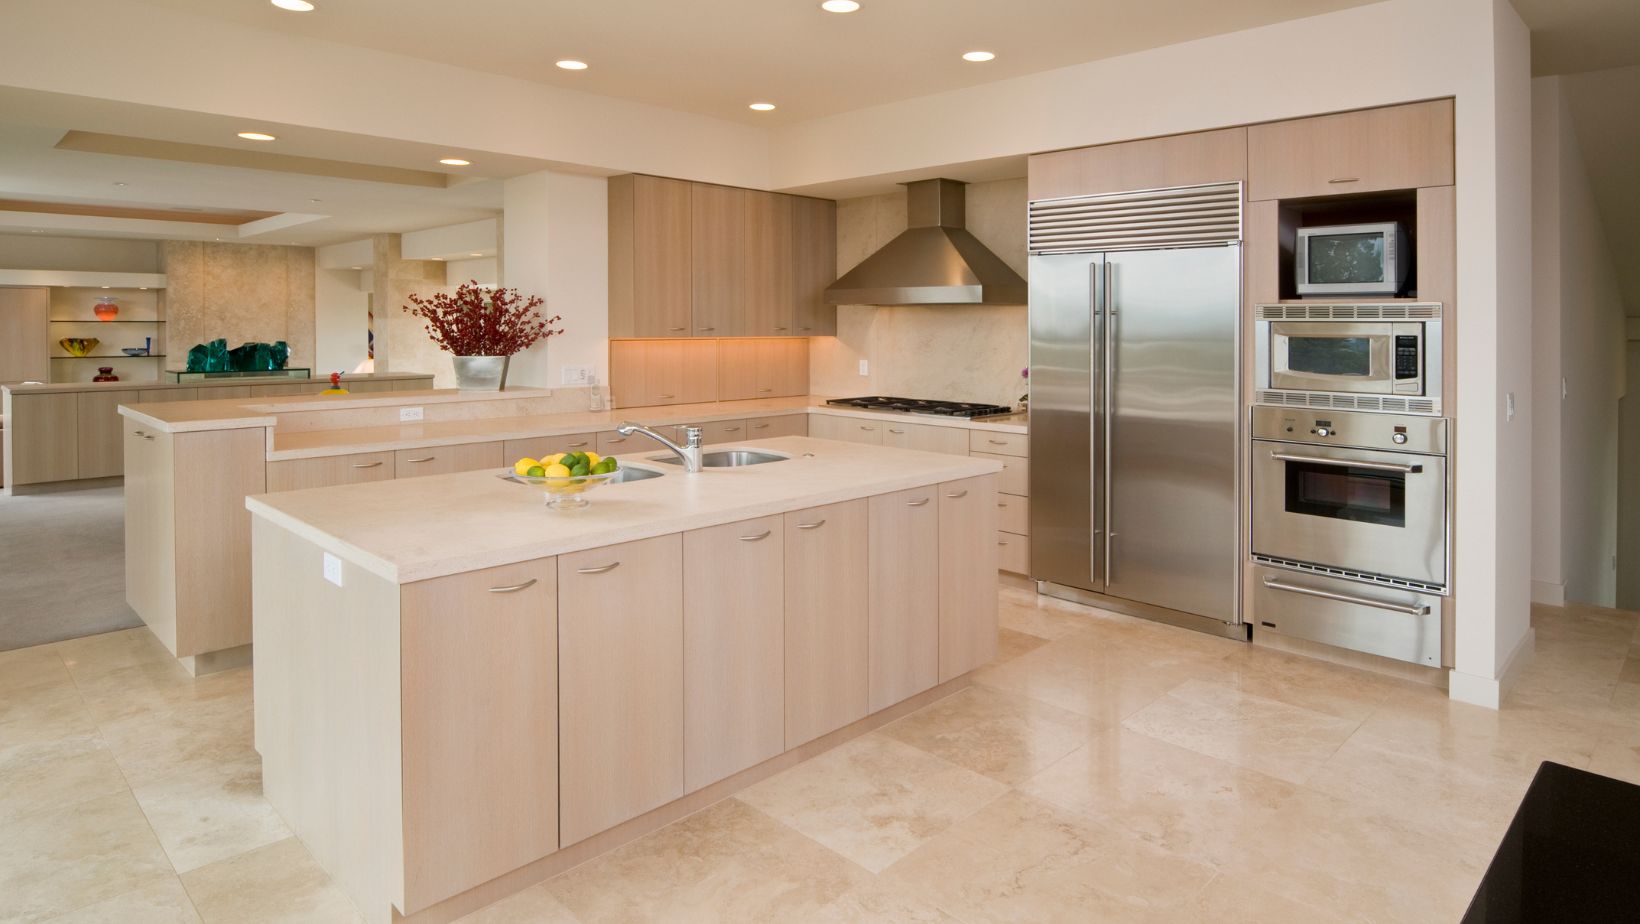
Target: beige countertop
122	385
414	529
240	413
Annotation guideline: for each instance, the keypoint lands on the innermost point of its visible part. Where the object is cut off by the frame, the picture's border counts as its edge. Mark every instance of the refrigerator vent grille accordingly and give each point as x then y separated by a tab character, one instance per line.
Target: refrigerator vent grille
1367	576
1327	400
1183	217
1403	312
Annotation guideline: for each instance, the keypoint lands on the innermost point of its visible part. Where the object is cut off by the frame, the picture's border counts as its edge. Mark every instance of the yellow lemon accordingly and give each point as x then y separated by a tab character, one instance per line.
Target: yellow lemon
553	459
523	466
592	459
557	471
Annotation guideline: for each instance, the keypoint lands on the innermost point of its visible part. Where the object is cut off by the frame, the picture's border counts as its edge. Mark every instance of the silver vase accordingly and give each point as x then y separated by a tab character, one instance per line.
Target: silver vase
480	373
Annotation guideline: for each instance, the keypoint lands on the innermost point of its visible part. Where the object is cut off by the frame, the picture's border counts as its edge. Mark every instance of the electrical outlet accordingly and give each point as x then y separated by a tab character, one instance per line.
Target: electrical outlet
577	375
865	367
408	414
1509	406
333	569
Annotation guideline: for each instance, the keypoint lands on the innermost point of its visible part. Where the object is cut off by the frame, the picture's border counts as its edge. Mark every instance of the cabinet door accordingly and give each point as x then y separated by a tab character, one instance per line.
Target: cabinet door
1154	163
826	623
762	428
782	368
1016	473
539	446
620	684
442	460
25	334
101	440
848	429
814	265
679	371
479	718
662	257
903	610
353	468
968	575
770	291
44	433
738	369
733	649
927	438
150	530
719	246
166	395
1395	147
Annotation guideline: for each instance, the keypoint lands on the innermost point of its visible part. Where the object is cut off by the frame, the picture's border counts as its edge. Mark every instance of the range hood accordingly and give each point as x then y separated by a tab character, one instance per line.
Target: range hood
936	261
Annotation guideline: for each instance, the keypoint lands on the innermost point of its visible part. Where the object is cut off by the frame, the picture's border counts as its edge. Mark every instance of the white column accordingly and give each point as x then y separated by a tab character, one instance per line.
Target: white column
555	244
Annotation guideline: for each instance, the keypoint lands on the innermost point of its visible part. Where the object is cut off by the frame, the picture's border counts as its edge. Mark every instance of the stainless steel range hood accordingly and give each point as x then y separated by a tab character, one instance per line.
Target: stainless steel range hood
934	262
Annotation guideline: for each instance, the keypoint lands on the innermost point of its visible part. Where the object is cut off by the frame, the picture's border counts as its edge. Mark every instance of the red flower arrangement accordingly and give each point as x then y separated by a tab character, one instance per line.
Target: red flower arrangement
476	322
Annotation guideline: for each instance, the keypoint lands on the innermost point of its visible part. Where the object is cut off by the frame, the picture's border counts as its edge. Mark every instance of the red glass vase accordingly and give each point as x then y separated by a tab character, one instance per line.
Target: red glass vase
106	309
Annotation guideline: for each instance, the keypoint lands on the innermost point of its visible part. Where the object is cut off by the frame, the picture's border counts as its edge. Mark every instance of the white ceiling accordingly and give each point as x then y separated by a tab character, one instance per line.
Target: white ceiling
1605	112
717	56
1571	36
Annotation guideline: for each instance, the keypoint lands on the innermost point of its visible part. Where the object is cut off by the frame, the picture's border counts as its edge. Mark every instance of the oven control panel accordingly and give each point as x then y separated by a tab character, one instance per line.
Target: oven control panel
1392	432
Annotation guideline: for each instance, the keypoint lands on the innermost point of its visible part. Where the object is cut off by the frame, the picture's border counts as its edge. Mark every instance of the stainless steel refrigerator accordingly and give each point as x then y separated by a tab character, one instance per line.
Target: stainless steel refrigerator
1135	437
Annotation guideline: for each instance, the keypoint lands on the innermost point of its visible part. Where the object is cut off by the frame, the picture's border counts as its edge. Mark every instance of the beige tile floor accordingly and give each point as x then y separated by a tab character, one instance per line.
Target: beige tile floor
1104	769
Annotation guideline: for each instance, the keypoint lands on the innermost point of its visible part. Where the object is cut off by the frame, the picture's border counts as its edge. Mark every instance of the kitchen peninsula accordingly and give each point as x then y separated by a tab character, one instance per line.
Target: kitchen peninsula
459	692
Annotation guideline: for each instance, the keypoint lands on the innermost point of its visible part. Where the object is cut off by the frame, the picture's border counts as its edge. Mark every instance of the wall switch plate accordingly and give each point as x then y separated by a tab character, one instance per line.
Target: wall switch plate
577	375
407	414
865	367
333	569
1509	406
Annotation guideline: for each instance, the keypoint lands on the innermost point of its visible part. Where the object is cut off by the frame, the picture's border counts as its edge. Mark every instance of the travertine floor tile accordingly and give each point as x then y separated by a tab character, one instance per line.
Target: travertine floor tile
880	903
30	667
98	654
1094	677
1287	742
164	902
1001	735
534	905
211	814
1427	723
276	884
726	863
1308	682
187	738
49	776
873	800
62	859
1617	755
44	711
1011	644
143	689
1231	899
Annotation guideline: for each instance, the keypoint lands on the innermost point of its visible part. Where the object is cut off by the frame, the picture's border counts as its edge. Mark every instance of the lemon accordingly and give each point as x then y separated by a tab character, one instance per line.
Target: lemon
553	459
556	471
592	458
523	466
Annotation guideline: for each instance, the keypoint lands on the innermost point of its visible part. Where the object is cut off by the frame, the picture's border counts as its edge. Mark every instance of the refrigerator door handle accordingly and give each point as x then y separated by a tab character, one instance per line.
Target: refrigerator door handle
1109	407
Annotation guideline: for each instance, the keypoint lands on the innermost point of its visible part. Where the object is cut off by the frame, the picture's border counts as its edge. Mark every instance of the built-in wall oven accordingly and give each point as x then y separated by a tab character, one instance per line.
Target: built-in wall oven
1349	528
1373	357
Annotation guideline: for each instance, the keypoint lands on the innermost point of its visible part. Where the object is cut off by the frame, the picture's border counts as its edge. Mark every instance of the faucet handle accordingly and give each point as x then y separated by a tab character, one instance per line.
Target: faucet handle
692	436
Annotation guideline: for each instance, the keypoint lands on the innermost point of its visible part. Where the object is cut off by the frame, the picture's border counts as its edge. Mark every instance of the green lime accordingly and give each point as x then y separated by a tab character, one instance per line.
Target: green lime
536	471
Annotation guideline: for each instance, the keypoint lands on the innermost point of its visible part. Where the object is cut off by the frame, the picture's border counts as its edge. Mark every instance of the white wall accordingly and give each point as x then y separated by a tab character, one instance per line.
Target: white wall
340	321
79	254
1548	118
555	244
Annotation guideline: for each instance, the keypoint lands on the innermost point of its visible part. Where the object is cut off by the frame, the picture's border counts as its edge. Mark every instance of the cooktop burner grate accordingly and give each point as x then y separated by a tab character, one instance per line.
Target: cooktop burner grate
922	406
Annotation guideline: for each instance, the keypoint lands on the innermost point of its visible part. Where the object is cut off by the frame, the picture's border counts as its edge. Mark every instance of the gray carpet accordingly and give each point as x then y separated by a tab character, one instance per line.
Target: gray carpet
62	567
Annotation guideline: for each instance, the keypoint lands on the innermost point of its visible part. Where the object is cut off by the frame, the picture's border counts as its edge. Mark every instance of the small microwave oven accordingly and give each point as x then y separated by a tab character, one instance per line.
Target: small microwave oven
1361	357
1370	259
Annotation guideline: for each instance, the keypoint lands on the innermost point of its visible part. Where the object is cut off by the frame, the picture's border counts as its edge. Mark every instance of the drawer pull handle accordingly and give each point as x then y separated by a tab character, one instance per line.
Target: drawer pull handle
375	464
1345	179
867	428
138	433
602	569
573	445
757	538
764	391
677	328
148	436
760	426
1410	609
705	329
731	429
805	328
1002	542
892	430
617	439
513	588
1002	503
962	493
423	459
666	396
997	442
780	328
811	525
917	503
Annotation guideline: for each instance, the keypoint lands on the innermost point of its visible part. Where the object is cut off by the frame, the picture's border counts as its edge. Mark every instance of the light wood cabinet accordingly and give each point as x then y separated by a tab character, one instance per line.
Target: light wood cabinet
479	726
1014	553
324	471
611	443
25	334
620	685
1002	444
1394	147
847	429
1014	514
762	428
719	252
645	373
814	265
43	437
442	460
167	395
926	438
733	648
967	576
1153	163
1016	473
903	608
770	293
541	446
762	368
651	261
827	565
150	529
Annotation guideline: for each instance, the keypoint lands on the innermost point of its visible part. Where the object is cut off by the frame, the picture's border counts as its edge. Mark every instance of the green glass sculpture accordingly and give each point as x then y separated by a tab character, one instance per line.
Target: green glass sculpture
248	357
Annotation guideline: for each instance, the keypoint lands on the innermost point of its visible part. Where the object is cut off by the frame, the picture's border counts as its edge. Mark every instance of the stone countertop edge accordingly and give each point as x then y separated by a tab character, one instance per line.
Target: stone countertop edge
52	388
549	539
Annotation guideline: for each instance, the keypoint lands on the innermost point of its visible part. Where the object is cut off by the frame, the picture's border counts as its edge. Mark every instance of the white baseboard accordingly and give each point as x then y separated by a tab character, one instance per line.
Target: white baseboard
1549	594
1489	691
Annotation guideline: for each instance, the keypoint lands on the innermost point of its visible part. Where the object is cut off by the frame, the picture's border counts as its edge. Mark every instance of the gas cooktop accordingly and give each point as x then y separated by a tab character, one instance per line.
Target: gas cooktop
922	406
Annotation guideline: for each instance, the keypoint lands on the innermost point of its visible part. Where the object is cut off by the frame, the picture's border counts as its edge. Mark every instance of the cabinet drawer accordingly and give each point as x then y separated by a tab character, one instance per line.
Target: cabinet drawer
1014	513
1013	553
762	428
611	443
539	446
1006	444
1395	147
1016	474
926	438
442	460
717	431
353	468
847	429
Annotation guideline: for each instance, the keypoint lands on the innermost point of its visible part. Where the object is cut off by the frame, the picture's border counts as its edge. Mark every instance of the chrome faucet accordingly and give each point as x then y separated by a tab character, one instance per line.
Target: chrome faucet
689	452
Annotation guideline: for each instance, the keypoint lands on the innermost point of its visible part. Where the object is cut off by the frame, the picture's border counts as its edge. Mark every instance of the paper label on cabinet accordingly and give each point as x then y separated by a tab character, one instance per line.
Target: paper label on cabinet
333	569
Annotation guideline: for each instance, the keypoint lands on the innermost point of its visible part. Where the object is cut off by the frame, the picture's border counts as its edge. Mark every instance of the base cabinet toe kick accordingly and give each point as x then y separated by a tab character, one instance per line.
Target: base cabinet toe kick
440	744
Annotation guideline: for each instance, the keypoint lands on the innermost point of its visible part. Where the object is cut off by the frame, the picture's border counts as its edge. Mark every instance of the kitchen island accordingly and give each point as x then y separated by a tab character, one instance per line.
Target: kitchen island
459	692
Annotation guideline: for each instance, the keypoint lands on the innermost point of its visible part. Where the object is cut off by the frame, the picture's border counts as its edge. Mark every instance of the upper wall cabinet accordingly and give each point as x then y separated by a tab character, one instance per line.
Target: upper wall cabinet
1154	163
1396	147
697	260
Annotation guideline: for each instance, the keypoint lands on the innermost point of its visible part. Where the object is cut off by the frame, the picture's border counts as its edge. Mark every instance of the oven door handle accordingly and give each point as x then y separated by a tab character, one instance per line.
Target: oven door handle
1404	468
1409	609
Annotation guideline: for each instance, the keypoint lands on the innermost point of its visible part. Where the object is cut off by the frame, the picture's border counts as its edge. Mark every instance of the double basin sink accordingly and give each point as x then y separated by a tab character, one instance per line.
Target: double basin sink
719	458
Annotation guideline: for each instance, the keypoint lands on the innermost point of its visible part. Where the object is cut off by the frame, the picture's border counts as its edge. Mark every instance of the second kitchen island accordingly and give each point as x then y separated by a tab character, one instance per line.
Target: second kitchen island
459	693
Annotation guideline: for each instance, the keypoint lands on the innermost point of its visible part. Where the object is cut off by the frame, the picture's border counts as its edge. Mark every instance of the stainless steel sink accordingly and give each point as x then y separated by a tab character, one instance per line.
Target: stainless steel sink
726	458
633	473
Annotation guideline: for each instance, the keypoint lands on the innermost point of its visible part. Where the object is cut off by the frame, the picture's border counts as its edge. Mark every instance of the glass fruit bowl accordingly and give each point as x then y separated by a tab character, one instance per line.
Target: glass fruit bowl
566	492
78	346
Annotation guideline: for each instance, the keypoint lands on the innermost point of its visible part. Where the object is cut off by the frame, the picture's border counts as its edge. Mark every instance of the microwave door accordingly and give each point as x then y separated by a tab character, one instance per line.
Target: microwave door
1309	356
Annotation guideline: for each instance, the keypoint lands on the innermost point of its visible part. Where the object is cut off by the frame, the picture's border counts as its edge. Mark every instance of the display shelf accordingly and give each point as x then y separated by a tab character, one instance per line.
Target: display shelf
114	356
100	321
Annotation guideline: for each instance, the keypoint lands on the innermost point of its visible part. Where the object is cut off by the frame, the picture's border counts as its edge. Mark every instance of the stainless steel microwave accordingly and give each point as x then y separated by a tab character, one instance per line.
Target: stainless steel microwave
1350	260
1362	357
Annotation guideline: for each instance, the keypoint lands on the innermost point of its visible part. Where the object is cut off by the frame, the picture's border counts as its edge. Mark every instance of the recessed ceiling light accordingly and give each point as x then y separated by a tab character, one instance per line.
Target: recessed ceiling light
256	136
475	255
761	107
105	287
455	162
295	6
978	55
839	6
358	267
570	64
316	200
119	184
